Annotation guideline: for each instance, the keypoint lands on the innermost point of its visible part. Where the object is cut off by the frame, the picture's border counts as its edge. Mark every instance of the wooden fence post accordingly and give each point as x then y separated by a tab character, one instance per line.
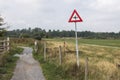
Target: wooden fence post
35	48
118	66
86	69
64	47
8	43
44	51
4	45
60	54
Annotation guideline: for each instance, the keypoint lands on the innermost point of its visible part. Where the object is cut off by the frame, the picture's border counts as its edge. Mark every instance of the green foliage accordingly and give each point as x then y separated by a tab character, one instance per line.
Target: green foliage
38	32
38	37
8	63
27	33
2	32
26	36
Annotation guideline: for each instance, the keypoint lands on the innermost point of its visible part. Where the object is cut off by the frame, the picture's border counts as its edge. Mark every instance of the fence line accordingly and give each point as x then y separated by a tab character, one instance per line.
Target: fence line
60	53
4	45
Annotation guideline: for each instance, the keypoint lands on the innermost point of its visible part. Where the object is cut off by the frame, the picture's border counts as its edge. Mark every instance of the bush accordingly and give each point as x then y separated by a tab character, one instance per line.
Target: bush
7	63
38	37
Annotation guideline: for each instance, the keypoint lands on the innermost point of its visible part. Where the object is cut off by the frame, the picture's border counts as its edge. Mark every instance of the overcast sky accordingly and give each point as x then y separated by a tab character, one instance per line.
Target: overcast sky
97	15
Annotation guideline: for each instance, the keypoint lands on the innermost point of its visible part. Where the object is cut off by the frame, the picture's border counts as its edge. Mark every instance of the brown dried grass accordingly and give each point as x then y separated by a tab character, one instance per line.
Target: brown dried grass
101	64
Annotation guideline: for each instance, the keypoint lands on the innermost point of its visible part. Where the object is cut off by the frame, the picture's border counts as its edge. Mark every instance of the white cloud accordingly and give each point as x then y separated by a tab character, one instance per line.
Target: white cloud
70	1
106	5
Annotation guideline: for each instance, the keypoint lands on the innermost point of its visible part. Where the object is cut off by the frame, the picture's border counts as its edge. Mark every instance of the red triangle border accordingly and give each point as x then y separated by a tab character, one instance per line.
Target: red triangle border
75	12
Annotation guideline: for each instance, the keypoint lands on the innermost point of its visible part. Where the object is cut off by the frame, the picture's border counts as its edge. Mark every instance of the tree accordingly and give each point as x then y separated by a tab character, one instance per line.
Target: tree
2	30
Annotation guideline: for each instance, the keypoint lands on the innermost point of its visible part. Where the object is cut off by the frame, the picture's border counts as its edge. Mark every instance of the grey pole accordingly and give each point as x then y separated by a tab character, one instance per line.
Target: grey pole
77	53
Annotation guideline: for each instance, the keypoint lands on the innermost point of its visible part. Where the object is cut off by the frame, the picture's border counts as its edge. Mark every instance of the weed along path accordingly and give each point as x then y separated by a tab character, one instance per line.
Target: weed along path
27	68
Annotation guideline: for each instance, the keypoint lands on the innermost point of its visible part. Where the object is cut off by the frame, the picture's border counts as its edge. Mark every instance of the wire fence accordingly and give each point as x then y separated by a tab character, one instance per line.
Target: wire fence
65	56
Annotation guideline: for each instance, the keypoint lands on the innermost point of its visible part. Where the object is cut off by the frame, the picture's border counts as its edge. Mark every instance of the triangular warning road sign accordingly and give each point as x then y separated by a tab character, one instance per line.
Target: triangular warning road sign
75	17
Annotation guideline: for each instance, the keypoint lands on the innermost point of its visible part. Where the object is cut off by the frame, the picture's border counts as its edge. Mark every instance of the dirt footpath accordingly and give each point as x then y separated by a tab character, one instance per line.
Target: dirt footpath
27	68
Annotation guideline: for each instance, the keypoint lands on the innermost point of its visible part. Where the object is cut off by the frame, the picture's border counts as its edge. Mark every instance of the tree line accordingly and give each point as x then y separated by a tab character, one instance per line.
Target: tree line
39	33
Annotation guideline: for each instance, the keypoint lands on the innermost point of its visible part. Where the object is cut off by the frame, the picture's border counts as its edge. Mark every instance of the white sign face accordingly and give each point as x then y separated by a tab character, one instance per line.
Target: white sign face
75	17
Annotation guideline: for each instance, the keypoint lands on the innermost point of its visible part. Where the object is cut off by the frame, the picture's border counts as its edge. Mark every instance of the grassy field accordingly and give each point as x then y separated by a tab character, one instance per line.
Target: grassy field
102	42
103	57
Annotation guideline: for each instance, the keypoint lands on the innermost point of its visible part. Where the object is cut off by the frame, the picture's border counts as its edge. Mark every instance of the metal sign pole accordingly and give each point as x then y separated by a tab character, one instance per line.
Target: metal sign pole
77	53
75	17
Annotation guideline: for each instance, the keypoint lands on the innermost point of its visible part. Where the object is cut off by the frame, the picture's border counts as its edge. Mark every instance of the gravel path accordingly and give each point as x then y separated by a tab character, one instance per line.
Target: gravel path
27	68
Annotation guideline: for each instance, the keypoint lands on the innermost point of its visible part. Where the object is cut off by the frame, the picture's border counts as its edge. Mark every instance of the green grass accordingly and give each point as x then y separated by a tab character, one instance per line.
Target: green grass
8	63
102	42
50	70
113	43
